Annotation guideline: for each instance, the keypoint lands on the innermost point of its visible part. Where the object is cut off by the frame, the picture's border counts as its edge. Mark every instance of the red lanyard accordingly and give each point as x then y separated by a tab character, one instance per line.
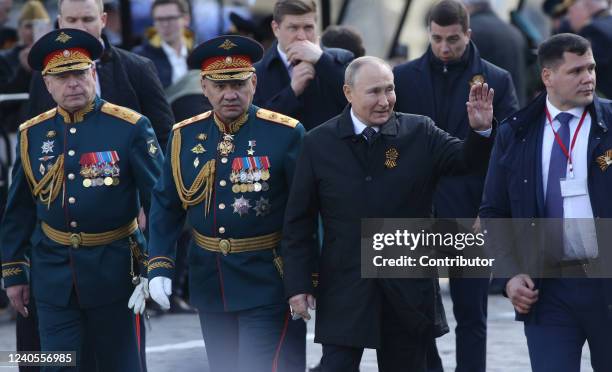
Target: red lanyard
567	154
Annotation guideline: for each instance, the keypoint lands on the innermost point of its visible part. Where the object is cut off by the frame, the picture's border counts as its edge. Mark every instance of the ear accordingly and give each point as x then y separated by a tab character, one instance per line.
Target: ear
348	93
103	17
254	82
203	84
275	28
469	33
546	76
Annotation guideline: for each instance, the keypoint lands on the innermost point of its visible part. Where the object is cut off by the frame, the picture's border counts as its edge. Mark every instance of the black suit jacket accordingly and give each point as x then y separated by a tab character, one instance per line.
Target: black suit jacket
126	79
320	101
456	196
340	178
599	33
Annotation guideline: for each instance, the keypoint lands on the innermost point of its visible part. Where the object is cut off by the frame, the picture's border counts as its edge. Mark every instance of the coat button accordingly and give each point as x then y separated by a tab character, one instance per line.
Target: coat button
71	152
71	176
223	160
368	178
74	224
72	200
222	183
525	180
72	130
221	206
222	230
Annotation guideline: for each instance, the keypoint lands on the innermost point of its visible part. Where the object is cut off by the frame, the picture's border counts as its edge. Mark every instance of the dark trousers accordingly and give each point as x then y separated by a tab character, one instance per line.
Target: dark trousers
469	297
569	312
248	340
109	331
401	350
27	333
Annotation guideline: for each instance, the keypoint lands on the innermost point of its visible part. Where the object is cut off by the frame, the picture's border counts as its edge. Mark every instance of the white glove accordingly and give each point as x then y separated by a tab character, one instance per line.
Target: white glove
160	288
139	296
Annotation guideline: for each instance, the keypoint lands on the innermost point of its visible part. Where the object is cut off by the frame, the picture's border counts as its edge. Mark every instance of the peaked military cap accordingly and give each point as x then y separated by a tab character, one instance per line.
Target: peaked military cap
64	50
228	57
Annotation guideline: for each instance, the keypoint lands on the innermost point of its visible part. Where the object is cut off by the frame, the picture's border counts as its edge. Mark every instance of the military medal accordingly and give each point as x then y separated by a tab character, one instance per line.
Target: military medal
42	169
51	134
241	206
226	146
605	160
236	189
251	150
477	79
391	156
265	165
47	147
265	186
257	187
100	168
108	181
244	187
262	207
201	137
87	182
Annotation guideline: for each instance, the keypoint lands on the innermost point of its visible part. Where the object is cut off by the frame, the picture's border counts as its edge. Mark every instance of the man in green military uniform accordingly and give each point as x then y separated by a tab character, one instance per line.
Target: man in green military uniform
82	172
228	172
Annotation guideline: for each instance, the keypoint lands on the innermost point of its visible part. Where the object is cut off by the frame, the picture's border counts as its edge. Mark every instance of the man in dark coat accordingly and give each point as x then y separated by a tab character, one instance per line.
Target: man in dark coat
297	77
123	77
489	32
342	175
592	20
437	85
528	178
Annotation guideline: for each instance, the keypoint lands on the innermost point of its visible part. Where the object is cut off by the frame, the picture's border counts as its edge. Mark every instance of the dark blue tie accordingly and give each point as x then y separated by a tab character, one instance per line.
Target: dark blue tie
369	134
557	169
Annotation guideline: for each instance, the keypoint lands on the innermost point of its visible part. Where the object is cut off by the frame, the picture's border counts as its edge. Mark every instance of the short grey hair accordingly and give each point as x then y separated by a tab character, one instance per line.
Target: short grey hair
351	70
100	4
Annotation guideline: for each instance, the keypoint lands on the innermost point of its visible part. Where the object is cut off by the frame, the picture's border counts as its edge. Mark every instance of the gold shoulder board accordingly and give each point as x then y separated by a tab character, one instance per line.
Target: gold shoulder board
192	119
121	112
38	119
277	118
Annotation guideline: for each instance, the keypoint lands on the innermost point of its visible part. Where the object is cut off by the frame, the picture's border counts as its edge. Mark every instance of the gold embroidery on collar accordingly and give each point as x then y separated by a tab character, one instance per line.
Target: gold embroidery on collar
234	126
77	115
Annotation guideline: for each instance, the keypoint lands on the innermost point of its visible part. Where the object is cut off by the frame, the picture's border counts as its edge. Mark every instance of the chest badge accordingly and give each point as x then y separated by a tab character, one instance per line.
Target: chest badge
251	150
198	149
605	160
241	206
391	156
262	207
47	147
226	146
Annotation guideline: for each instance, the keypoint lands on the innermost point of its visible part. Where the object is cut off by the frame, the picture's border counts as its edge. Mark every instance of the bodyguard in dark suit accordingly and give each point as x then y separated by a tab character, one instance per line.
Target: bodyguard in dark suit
72	160
592	20
124	78
228	173
437	85
297	77
528	178
371	162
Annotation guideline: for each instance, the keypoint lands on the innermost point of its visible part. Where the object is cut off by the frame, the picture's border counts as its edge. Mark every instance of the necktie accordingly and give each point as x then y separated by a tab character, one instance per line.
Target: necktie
369	134
557	169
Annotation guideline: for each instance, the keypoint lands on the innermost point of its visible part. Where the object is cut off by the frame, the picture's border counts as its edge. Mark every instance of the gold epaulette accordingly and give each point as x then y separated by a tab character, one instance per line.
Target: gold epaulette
192	119
38	119
121	112
277	118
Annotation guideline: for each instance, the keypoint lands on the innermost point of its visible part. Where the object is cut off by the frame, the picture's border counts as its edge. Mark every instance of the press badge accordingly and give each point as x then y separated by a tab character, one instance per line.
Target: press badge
573	187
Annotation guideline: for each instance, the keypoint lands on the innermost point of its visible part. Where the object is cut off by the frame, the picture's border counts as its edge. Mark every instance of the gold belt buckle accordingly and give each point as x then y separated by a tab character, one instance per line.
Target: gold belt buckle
75	240
225	246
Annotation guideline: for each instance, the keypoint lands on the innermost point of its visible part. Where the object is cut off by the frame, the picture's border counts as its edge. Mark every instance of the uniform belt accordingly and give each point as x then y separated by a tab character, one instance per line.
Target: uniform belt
226	246
89	239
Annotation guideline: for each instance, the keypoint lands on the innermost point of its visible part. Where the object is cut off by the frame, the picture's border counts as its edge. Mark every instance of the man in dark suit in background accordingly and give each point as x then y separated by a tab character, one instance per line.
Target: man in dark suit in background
123	77
437	85
345	172
297	77
529	177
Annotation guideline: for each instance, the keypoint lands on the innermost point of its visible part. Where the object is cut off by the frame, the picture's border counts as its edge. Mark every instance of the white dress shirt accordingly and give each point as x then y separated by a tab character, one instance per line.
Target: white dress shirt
359	126
178	61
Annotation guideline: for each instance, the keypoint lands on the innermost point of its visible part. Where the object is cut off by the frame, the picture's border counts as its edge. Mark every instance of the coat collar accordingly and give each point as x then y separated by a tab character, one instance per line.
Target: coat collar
346	129
474	62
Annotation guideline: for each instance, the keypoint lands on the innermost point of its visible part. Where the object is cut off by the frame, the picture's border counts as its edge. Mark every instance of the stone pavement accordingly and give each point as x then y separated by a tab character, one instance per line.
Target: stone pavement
174	342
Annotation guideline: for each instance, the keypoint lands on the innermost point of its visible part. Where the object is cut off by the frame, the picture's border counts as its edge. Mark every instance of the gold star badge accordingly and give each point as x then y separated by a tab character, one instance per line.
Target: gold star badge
63	38
227	45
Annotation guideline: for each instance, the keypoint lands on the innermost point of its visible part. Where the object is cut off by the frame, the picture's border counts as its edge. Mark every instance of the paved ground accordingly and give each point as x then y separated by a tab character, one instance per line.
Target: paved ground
175	343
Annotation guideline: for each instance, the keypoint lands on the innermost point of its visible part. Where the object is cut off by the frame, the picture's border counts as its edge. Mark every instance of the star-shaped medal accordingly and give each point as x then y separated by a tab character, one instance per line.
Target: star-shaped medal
241	206
262	207
47	147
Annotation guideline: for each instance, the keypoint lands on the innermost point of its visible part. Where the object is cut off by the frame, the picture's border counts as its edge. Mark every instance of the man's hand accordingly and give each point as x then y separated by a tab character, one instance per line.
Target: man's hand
160	288
480	107
142	219
20	297
300	305
303	51
520	291
303	73
139	296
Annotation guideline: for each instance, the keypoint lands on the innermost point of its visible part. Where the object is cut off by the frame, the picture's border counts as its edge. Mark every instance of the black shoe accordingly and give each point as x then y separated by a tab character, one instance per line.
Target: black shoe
180	306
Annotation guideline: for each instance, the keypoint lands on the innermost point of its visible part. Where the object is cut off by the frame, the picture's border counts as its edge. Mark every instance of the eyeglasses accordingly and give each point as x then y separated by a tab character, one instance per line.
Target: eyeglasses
167	19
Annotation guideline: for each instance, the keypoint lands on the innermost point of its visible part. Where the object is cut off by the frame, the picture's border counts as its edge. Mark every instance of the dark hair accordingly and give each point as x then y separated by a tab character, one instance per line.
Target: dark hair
345	37
550	52
293	7
181	4
448	13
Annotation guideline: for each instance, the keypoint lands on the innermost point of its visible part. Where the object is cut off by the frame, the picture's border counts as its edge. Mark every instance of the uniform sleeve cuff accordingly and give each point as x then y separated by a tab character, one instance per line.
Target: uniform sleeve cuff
160	266
15	273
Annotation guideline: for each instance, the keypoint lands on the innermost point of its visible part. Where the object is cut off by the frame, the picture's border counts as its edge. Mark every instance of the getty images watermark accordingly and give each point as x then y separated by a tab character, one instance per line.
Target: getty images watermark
474	248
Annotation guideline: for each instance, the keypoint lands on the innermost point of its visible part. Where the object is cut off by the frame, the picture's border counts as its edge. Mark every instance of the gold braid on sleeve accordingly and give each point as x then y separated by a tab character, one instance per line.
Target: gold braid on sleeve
50	185
202	187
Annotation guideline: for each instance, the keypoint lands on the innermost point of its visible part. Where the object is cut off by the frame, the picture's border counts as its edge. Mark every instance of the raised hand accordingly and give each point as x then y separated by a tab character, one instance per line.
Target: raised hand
480	107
